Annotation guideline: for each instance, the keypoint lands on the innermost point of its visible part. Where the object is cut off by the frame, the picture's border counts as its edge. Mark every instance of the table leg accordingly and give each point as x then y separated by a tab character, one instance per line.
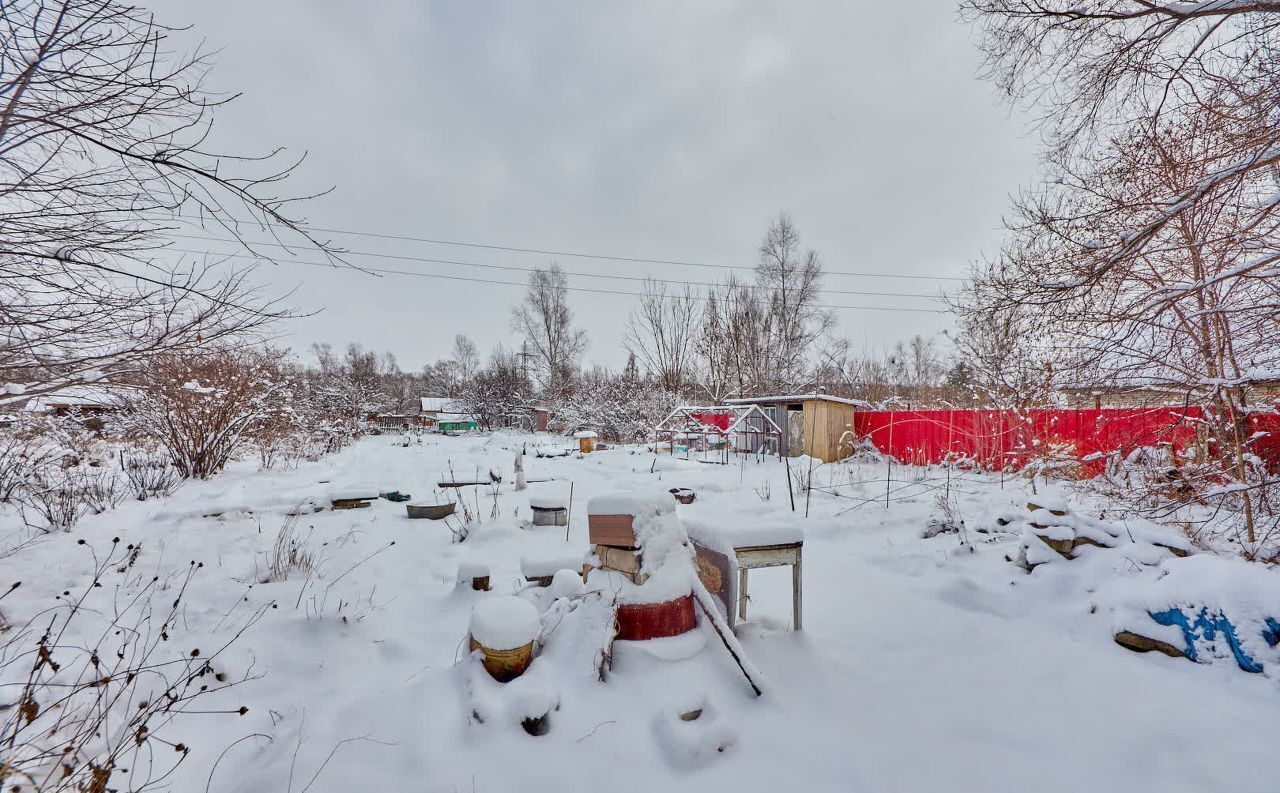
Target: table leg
797	594
742	593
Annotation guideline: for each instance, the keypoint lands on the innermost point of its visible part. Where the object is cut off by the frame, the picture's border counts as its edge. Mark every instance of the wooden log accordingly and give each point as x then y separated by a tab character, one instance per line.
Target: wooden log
1145	644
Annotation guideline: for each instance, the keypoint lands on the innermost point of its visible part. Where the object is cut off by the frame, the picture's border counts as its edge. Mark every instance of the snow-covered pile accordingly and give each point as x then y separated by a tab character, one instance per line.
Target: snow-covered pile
504	622
1052	532
548	566
1205	607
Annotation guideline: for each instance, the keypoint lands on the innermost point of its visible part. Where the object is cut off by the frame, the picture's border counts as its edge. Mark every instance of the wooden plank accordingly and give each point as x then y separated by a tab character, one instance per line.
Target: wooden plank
613	530
742	593
753	558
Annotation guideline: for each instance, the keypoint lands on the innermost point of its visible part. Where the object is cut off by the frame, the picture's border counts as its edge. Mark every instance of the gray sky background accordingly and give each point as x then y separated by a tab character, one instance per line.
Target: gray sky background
657	130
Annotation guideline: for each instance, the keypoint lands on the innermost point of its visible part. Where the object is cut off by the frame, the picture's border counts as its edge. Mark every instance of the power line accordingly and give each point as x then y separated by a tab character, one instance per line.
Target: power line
572	254
405	257
419	274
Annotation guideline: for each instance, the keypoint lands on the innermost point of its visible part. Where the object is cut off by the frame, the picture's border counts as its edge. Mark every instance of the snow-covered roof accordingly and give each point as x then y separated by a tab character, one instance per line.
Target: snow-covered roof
439	405
796	398
77	395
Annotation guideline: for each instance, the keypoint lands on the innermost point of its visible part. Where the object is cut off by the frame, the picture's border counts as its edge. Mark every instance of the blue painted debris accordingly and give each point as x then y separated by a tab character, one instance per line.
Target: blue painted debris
1271	632
1207	625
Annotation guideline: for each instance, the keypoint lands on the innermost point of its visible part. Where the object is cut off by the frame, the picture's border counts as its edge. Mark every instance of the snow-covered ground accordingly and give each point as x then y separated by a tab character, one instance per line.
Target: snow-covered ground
922	666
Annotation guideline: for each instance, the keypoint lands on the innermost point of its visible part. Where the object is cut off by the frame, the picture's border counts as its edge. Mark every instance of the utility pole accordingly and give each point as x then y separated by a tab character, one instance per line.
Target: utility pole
524	356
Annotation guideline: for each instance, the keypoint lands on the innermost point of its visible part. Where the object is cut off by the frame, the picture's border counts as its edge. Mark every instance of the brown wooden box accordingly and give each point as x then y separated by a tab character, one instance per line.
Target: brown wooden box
612	530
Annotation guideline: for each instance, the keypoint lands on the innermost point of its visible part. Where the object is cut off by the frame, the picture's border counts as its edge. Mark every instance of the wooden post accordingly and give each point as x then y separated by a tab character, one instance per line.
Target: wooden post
568	521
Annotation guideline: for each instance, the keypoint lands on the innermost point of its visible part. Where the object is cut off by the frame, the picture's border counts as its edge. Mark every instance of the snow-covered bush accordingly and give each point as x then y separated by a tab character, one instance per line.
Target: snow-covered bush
149	475
205	407
619	409
96	683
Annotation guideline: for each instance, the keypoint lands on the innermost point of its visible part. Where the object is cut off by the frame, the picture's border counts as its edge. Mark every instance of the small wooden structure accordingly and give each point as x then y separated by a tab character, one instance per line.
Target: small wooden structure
714	432
354	502
818	425
586	441
611	530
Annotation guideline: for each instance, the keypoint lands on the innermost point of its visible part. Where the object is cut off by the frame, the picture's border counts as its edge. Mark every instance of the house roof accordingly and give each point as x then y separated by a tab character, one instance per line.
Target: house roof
762	400
77	395
439	405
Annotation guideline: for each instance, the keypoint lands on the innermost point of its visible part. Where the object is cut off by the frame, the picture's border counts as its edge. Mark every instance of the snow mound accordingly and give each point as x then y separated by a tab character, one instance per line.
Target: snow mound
544	566
737	532
639	504
504	622
549	501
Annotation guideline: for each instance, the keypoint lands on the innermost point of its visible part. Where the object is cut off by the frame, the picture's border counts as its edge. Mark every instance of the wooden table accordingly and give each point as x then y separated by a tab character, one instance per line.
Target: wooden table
752	557
716	569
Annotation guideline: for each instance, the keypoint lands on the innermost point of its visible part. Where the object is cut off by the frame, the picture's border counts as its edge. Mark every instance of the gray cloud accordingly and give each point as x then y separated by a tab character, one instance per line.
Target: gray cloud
662	130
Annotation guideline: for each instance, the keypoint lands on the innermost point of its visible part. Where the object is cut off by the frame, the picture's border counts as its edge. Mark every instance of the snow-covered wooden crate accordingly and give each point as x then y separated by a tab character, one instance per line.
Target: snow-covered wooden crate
586	441
504	629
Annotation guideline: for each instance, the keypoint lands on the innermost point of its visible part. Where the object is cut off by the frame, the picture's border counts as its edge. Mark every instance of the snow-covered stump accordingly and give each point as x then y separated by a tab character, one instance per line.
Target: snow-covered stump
549	510
474	575
503	629
542	570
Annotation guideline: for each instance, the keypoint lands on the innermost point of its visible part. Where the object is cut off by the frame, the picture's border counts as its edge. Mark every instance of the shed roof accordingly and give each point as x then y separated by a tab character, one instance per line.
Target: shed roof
764	400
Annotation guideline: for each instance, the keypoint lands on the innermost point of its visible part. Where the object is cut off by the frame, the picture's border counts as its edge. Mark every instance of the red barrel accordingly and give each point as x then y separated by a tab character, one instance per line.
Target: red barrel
656	620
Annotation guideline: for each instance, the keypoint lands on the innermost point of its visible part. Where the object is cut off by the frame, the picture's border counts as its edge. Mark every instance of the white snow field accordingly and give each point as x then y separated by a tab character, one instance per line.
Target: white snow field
922	666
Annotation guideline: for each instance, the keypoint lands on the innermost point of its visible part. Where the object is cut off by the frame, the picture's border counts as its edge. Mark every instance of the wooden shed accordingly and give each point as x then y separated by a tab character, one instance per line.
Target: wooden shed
818	425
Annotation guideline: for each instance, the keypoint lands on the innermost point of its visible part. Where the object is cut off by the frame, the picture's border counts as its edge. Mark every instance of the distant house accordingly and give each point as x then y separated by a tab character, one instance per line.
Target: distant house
445	414
84	400
818	425
88	403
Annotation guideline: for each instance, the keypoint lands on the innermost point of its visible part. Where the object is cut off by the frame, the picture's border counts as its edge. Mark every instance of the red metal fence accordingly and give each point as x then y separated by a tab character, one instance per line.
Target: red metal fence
1011	439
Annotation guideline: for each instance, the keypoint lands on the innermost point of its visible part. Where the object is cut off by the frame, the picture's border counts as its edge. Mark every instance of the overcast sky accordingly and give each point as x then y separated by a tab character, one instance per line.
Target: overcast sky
636	129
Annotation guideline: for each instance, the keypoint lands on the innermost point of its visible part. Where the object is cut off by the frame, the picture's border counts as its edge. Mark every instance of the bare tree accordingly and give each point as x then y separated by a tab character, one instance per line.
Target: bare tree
791	280
1191	315
545	322
465	357
103	143
1100	70
714	369
661	332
